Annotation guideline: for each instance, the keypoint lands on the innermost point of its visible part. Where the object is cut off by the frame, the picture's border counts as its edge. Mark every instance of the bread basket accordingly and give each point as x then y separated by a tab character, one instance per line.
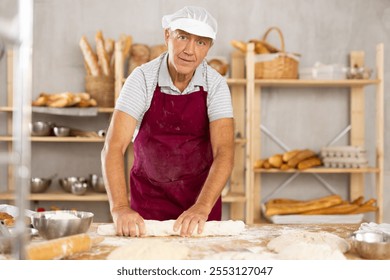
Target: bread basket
276	65
101	88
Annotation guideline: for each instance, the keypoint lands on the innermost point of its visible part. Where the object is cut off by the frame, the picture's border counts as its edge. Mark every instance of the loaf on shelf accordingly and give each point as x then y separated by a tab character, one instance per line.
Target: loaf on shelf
327	205
294	159
64	99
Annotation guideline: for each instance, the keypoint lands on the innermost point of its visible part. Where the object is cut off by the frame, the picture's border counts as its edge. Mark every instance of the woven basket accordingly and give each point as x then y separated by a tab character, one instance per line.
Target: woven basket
279	65
101	89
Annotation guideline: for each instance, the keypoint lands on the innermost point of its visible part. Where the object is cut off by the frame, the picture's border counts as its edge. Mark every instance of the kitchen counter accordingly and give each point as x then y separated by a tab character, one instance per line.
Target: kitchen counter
252	242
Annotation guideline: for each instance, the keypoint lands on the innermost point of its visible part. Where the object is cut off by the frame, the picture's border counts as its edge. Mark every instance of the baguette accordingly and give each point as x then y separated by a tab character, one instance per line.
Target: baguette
258	163
102	55
364	209
358	201
300	207
337	209
276	160
308	163
288	155
302	155
89	56
284	166
282	201
369	202
239	45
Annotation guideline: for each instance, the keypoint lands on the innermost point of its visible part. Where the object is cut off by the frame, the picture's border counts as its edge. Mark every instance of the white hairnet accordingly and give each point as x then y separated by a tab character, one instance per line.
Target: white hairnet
194	20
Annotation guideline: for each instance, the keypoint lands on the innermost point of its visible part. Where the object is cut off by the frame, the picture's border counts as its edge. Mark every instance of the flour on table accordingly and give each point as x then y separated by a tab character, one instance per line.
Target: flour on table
309	245
147	249
165	228
237	255
308	251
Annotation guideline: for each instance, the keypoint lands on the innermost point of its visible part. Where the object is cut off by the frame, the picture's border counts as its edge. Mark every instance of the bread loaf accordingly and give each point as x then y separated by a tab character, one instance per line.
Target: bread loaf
301	156
139	55
308	163
276	160
300	207
102	55
337	209
288	155
89	56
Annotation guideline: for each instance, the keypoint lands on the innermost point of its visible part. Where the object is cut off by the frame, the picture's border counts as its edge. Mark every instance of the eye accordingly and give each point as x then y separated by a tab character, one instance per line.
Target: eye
182	36
201	43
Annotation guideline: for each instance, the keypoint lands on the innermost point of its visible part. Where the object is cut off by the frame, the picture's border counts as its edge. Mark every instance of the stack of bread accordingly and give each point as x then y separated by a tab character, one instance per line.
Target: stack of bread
294	159
65	99
328	205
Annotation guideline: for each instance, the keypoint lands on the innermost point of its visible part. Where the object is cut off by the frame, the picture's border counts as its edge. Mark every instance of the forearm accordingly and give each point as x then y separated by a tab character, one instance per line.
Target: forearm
113	172
219	174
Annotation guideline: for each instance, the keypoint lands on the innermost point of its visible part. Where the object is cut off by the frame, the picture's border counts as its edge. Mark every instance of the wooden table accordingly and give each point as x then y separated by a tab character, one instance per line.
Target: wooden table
253	240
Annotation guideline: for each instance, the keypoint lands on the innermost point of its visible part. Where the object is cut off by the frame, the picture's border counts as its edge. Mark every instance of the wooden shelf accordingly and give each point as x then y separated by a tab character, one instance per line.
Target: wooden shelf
58	196
319	170
99	109
91	196
233	197
58	139
314	83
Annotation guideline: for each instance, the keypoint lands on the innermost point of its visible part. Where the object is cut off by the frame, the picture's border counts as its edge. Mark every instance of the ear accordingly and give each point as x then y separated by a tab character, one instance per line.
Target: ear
166	36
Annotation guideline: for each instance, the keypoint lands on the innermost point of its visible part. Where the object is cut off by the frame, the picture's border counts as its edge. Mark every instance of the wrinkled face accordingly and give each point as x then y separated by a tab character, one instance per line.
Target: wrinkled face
186	51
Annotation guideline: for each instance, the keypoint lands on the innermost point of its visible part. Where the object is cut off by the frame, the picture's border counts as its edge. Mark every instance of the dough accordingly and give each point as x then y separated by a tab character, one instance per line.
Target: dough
165	228
147	249
307	251
304	245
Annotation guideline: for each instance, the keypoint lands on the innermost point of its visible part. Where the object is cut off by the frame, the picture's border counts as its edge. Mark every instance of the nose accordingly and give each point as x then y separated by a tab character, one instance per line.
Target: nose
190	47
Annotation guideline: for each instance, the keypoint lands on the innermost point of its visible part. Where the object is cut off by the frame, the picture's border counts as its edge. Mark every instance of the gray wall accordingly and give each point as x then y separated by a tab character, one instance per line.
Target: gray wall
323	30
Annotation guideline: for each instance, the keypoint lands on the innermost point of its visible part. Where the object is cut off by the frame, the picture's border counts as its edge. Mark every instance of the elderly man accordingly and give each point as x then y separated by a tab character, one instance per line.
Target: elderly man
178	111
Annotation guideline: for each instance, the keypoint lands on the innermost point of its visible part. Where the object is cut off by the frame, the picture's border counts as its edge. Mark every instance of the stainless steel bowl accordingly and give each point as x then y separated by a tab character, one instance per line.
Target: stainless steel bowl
79	188
66	183
371	245
56	224
97	183
61	131
39	185
40	128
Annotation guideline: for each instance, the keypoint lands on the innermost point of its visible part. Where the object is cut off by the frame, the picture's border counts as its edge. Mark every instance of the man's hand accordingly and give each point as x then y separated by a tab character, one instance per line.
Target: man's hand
128	222
195	216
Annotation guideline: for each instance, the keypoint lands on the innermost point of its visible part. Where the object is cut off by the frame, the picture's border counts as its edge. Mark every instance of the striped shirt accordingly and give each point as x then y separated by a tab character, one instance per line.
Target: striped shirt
137	92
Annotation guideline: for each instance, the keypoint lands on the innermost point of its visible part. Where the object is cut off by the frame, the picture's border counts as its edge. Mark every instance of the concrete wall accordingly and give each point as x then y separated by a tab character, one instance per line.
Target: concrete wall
323	30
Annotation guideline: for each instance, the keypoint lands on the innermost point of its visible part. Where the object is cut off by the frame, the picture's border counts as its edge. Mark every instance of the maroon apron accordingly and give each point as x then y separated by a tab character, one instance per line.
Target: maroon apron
172	156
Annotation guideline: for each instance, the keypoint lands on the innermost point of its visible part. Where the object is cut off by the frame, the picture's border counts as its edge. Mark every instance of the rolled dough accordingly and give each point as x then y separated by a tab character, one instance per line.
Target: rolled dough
165	228
147	249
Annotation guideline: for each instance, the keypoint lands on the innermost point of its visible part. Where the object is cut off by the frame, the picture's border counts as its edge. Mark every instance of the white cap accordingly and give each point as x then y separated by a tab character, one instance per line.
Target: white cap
194	20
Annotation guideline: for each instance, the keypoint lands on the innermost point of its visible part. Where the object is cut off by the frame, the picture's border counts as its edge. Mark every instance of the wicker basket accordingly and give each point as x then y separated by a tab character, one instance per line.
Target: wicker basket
101	89
279	65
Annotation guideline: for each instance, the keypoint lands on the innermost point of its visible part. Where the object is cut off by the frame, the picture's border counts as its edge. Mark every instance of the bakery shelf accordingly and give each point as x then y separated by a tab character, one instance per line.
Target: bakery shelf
58	139
319	170
356	90
314	83
58	196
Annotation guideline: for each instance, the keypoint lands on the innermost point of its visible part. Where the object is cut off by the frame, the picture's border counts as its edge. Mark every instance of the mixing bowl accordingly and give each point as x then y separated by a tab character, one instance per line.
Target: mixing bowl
371	245
66	183
61	131
97	183
39	185
79	188
56	224
40	128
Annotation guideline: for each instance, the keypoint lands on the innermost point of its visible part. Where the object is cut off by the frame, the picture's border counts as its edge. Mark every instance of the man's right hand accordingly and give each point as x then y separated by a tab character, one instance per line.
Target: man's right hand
128	222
